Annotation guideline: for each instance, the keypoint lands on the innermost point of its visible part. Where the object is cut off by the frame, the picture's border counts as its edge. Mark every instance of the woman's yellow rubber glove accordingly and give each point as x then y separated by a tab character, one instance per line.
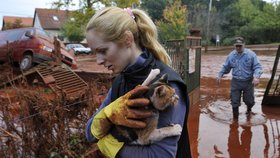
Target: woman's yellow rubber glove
109	146
127	110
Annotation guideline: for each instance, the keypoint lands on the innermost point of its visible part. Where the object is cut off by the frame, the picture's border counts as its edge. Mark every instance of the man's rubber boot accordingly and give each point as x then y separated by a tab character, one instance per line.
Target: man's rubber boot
235	112
249	109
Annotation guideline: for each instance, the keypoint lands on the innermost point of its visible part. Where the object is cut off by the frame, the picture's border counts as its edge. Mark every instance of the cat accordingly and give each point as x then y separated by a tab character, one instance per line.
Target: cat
161	95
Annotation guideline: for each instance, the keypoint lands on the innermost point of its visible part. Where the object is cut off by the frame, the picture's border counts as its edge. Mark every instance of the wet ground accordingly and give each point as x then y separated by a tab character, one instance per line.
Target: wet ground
212	131
87	63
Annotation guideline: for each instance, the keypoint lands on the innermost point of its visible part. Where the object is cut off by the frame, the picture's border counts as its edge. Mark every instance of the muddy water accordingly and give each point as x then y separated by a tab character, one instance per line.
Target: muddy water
213	133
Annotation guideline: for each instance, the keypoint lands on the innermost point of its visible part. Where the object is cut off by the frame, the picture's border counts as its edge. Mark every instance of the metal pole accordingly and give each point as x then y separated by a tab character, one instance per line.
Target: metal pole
208	23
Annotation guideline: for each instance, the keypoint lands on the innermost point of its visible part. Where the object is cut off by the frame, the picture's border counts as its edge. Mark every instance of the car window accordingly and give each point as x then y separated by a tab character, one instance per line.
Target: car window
13	35
2	34
69	46
23	37
42	33
2	37
73	46
80	46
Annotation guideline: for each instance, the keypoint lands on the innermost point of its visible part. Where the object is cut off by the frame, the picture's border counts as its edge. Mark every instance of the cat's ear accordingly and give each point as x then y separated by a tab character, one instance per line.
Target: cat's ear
164	78
160	91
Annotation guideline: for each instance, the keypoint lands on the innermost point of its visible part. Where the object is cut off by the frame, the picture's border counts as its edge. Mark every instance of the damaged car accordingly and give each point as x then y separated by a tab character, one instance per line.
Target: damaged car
30	46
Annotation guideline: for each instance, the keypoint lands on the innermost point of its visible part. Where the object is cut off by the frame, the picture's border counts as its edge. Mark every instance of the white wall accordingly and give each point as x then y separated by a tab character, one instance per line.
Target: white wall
37	23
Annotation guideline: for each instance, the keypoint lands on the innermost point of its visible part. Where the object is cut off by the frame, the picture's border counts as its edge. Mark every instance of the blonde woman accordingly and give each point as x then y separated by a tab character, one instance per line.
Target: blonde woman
125	41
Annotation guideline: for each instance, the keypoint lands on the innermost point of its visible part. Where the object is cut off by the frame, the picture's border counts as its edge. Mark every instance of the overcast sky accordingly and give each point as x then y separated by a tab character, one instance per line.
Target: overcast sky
26	8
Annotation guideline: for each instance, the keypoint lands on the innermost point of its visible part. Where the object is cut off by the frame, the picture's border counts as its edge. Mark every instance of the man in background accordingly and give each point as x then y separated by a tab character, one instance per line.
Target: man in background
246	72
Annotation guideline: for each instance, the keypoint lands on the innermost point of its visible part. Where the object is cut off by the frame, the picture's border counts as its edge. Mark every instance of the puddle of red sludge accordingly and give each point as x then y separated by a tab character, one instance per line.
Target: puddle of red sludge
212	131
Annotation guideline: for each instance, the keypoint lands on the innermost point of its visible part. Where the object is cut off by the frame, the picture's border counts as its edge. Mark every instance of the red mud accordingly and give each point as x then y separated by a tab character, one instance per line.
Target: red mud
87	63
211	128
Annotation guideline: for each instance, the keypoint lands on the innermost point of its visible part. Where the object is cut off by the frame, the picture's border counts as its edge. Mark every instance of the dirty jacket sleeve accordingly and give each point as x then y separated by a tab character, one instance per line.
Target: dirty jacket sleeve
225	68
89	136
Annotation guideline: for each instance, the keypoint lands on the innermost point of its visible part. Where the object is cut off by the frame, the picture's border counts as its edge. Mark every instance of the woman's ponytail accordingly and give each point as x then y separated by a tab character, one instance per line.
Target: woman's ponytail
148	36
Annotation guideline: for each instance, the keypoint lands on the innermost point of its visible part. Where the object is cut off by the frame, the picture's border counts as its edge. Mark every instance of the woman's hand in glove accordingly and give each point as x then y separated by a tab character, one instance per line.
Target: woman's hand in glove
129	109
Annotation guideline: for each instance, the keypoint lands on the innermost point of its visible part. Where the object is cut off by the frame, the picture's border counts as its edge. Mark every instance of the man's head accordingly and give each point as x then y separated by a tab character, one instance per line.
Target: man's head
239	44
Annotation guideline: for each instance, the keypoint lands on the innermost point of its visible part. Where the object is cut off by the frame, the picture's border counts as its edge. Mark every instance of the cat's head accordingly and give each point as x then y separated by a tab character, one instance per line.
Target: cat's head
162	94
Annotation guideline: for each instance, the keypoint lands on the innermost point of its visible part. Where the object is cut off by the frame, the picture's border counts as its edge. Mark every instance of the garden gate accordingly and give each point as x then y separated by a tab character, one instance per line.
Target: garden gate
186	60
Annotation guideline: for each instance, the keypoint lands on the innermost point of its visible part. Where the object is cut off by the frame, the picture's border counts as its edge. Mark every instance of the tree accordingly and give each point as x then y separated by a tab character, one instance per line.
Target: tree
198	11
150	5
194	8
59	4
247	9
74	28
83	4
127	3
16	24
264	27
73	32
174	25
256	20
232	22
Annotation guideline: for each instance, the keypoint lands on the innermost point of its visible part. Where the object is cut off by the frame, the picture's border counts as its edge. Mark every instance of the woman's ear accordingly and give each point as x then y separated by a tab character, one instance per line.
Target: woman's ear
129	38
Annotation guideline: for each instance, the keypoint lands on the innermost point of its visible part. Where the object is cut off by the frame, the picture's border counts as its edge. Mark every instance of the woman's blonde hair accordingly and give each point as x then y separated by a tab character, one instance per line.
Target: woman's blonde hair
112	22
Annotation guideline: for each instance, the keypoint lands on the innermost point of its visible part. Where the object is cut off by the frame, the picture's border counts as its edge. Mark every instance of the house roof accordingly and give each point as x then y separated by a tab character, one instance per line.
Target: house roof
24	20
52	19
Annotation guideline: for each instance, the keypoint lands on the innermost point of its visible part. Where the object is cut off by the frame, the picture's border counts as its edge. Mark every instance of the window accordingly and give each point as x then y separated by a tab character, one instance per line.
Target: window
14	35
23	37
55	18
42	33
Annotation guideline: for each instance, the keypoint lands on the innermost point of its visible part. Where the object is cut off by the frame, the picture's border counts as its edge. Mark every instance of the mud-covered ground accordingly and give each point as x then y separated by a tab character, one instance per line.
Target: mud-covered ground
37	122
87	63
212	131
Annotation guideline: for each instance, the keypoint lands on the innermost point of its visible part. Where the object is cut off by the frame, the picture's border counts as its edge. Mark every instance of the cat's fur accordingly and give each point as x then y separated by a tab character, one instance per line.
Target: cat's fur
161	96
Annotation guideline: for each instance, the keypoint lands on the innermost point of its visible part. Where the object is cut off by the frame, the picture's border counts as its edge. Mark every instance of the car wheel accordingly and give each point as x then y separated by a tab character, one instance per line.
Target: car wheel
26	62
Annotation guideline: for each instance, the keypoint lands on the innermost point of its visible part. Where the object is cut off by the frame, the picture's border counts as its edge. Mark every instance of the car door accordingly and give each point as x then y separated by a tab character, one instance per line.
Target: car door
17	44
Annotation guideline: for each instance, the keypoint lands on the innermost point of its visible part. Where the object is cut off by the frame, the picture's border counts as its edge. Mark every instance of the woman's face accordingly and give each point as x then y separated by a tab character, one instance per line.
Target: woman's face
112	55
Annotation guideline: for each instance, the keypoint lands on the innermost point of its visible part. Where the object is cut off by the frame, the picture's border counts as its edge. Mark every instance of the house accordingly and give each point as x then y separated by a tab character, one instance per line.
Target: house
51	20
16	22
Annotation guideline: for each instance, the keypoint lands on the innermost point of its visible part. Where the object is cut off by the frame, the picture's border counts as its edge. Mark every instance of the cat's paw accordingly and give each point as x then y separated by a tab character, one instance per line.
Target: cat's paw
176	129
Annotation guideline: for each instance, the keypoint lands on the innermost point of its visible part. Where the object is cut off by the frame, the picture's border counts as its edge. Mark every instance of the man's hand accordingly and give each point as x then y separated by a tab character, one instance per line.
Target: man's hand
256	81
218	80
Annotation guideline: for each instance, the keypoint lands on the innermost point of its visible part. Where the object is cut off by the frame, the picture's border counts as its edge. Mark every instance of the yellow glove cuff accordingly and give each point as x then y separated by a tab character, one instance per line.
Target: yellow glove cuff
109	146
114	106
100	125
